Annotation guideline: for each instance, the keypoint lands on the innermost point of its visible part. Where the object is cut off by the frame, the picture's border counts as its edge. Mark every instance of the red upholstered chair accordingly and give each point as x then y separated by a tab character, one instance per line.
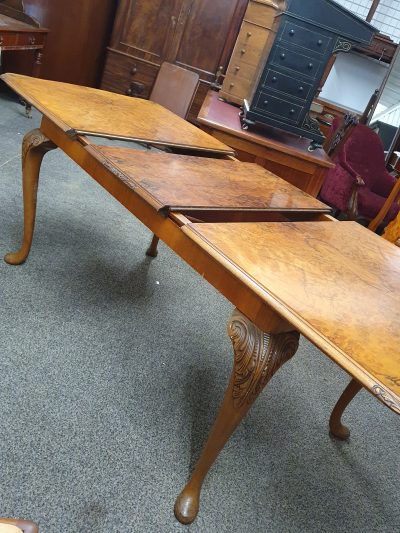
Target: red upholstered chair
360	184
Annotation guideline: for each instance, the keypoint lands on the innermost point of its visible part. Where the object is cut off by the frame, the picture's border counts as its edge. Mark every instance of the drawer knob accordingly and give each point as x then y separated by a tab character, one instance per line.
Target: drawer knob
32	40
291	32
274	79
266	102
133	71
301	89
243	51
310	66
292	111
237	69
283	55
249	34
319	43
231	85
1	40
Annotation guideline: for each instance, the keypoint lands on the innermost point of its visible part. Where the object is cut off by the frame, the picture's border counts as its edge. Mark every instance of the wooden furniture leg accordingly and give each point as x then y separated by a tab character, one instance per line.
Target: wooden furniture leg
257	356
152	249
34	146
336	427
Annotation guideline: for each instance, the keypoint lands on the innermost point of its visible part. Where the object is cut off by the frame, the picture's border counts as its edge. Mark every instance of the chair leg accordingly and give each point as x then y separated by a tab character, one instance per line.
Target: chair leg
337	429
152	249
257	356
34	146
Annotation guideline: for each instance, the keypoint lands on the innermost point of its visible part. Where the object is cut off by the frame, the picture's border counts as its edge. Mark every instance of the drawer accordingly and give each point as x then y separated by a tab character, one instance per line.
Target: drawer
253	35
308	66
237	86
261	14
288	85
23	40
247	53
276	107
240	69
129	76
299	36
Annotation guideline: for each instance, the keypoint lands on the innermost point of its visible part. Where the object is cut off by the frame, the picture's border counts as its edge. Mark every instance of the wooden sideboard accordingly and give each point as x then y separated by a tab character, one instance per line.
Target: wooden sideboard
282	153
78	35
195	34
22	35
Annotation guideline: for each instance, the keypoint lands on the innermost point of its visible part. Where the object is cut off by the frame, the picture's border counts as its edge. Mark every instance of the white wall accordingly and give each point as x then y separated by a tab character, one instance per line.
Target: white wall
352	81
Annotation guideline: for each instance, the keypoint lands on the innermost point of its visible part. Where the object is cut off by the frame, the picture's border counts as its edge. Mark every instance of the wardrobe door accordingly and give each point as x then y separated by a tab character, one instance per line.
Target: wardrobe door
209	35
145	28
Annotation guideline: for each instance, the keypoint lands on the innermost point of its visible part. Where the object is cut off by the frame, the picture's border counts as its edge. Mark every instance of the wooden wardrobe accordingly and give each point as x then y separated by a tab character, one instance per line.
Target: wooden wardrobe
196	34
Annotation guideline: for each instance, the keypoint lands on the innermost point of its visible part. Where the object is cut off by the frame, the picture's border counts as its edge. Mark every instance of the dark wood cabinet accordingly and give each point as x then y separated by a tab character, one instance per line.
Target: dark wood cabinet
196	34
306	39
76	43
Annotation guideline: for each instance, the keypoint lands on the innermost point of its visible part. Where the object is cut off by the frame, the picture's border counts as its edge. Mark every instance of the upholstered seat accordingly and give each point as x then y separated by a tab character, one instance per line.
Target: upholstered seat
360	167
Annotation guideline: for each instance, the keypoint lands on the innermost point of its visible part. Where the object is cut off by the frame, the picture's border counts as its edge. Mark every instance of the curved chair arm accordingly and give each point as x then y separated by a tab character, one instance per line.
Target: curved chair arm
393	196
343	162
352	206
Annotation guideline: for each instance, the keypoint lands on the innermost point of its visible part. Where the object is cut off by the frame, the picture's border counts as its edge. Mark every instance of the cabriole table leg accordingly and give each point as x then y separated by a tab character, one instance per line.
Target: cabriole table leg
257	356
34	146
337	429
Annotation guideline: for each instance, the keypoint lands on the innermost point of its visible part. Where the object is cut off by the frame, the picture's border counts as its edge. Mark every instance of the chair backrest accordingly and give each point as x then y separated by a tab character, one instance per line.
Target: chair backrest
341	130
368	111
365	154
175	88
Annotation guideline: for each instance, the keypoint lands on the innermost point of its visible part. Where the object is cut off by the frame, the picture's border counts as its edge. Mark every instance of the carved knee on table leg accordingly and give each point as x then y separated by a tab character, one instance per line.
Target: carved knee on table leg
257	356
34	146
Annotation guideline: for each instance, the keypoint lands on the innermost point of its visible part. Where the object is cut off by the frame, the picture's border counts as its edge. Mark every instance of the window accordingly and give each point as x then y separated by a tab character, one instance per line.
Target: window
386	18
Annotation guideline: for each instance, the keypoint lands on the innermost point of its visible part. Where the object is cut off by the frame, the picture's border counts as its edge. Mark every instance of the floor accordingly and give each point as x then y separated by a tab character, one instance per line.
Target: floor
112	368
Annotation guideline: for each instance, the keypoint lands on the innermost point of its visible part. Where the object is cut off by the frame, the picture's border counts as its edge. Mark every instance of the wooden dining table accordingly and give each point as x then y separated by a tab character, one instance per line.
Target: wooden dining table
272	250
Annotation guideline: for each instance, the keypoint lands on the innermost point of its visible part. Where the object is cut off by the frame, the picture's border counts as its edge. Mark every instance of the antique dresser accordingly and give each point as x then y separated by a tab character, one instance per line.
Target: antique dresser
255	40
198	35
310	31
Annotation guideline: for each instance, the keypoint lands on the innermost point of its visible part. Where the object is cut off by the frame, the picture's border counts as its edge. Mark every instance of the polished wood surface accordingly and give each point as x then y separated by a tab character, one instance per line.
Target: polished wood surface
392	231
183	183
282	153
92	111
319	276
285	279
79	32
20	35
195	34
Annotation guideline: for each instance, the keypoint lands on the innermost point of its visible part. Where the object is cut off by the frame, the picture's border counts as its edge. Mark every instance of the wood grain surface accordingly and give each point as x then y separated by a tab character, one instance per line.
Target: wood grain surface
10	24
224	117
92	111
338	284
178	182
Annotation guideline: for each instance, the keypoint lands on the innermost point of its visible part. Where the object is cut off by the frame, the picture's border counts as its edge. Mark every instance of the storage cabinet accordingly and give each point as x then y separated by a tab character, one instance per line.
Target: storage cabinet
196	34
256	37
75	46
306	39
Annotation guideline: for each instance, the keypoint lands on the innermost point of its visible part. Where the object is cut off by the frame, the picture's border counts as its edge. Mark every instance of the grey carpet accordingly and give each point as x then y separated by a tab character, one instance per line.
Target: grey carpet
112	367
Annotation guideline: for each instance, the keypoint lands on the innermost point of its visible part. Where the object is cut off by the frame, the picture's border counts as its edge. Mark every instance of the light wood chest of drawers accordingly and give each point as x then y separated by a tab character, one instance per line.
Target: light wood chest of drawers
256	37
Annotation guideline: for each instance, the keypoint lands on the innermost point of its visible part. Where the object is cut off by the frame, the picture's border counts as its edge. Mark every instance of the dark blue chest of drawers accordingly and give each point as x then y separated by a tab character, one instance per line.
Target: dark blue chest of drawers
310	31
